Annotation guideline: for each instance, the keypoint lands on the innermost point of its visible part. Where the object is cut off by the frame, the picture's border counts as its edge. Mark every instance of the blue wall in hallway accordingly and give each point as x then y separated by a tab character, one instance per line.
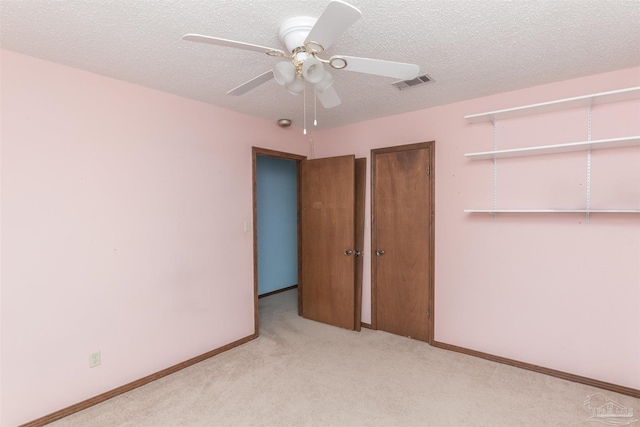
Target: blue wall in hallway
277	224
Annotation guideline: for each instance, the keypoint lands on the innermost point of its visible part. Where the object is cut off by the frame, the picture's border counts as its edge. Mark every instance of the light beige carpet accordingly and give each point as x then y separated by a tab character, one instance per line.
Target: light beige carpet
303	373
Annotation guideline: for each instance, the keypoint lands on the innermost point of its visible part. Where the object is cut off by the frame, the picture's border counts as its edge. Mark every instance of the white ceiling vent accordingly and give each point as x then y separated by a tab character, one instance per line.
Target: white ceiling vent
420	80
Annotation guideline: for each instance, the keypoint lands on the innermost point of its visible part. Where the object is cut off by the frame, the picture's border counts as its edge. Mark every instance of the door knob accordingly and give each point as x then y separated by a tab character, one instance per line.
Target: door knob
357	253
380	253
348	252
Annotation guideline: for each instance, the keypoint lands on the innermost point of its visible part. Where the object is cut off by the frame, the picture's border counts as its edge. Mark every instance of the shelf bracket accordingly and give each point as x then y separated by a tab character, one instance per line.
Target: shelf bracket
495	169
589	160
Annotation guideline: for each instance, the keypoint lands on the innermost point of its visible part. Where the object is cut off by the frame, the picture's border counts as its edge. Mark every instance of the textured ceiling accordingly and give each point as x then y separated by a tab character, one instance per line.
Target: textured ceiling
469	48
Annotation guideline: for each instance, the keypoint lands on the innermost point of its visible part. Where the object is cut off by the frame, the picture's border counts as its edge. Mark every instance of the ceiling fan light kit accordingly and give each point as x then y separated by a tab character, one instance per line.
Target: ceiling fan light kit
306	38
284	73
296	87
313	70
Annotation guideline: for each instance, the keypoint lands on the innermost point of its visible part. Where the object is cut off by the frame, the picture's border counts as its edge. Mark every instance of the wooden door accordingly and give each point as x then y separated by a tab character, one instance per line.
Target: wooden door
327	240
361	180
402	257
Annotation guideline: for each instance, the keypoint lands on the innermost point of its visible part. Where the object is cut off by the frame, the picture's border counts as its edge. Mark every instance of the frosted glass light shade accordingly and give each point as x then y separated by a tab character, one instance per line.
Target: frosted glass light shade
313	70
296	86
284	73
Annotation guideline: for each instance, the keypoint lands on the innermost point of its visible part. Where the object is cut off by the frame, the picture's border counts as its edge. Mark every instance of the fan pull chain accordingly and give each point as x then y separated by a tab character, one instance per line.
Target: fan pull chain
315	108
304	108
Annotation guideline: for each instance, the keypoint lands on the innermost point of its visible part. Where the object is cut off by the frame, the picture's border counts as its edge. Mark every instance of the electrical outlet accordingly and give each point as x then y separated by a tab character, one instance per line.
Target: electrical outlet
94	359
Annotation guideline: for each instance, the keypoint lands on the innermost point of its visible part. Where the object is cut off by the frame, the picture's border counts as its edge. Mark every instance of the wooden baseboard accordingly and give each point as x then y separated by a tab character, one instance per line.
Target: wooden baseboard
542	370
133	385
366	325
278	291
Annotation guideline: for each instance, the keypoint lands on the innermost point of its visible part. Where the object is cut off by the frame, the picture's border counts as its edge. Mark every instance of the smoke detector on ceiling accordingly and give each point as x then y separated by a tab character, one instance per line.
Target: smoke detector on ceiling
405	84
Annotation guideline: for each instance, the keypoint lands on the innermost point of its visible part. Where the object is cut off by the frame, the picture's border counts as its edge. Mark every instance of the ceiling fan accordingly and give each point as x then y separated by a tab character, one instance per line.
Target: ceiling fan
306	38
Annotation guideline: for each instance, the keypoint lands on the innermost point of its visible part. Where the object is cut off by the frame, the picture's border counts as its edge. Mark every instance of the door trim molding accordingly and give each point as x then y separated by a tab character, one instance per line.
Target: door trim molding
360	208
430	145
265	152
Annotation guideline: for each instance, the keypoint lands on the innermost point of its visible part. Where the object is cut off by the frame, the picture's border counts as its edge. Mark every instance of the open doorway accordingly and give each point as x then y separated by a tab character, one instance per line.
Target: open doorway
276	231
277	207
329	210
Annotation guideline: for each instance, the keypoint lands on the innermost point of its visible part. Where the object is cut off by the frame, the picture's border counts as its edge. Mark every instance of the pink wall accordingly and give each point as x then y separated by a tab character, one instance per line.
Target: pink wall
546	289
122	230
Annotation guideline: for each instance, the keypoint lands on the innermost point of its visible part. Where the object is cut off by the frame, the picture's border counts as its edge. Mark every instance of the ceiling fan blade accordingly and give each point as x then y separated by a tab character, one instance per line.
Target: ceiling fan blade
335	19
329	97
231	43
378	67
251	84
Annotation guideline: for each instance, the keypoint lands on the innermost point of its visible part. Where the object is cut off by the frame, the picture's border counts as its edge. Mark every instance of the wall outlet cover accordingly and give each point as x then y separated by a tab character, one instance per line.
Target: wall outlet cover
94	359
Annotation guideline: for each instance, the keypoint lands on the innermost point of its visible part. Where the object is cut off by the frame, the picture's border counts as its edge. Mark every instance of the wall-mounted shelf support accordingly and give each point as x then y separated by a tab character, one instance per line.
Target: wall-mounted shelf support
496	211
495	168
629	141
588	145
559	104
589	159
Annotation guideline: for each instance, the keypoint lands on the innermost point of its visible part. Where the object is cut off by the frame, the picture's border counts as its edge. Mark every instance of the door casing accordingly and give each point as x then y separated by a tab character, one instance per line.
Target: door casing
255	152
360	178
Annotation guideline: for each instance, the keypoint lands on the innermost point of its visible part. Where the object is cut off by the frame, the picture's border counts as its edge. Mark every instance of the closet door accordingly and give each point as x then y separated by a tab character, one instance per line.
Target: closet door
402	241
327	276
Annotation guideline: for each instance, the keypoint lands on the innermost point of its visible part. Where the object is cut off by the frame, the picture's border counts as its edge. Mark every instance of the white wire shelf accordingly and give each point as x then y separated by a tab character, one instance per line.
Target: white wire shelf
559	104
629	141
492	211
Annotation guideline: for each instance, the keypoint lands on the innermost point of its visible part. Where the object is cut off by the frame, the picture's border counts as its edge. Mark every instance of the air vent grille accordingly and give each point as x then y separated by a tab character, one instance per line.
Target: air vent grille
420	80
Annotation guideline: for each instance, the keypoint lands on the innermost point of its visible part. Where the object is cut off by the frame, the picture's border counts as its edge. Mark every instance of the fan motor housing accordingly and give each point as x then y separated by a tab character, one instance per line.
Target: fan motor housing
294	31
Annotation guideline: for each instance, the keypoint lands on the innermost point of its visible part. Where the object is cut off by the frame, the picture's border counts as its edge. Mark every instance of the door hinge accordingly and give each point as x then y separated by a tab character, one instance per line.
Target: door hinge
428	312
428	170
